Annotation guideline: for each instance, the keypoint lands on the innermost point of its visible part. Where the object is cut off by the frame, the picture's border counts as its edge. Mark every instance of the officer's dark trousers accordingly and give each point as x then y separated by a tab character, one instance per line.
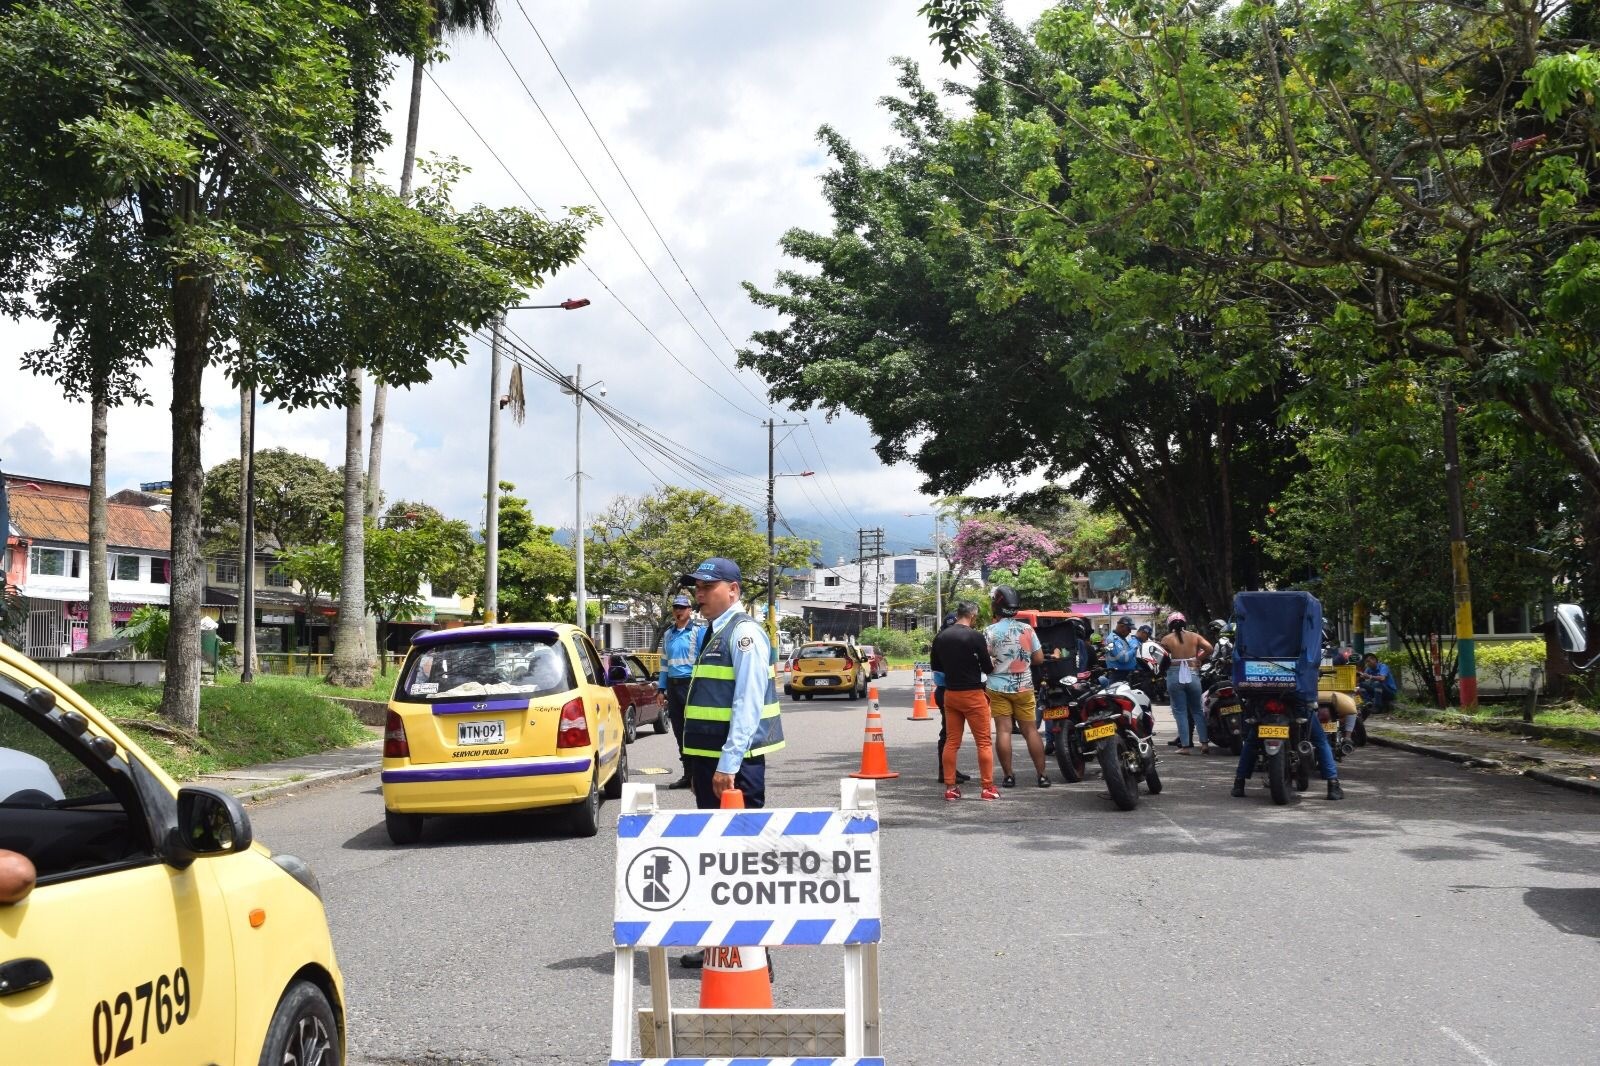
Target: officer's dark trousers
677	697
751	780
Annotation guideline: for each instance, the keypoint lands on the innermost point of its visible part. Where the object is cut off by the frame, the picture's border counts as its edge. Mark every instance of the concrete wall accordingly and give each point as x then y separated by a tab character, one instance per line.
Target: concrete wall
117	671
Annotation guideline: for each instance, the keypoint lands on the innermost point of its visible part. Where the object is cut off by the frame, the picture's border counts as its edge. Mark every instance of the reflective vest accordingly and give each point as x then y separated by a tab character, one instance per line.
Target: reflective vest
709	704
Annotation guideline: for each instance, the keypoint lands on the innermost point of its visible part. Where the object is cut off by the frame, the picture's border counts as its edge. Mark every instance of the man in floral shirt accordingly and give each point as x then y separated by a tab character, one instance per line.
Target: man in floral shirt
1015	649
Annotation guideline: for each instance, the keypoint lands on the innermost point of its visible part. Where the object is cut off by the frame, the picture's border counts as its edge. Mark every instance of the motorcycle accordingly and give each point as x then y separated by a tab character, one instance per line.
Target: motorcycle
1223	716
1150	676
1275	676
1113	725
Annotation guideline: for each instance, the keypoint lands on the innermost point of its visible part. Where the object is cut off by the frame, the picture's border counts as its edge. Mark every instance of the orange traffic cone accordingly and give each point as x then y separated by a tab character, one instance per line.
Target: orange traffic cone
874	757
735	978
919	702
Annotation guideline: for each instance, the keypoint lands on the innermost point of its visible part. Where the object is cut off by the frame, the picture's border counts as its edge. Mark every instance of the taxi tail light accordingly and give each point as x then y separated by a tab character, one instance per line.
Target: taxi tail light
395	745
573	732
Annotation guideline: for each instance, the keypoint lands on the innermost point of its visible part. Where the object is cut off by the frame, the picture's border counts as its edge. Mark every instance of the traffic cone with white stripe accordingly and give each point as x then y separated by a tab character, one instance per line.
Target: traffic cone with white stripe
735	978
919	702
874	756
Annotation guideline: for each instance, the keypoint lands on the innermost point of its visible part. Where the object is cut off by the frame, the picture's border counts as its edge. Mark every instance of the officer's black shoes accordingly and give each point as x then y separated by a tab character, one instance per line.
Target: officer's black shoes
682	782
961	778
692	961
1238	786
1335	792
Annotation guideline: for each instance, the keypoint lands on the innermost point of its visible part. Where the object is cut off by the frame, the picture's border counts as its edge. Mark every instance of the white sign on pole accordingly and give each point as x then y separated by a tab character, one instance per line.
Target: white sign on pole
743	878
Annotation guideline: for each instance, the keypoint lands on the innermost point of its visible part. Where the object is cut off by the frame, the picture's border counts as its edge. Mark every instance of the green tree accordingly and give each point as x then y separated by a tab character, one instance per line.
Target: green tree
225	128
314	567
641	546
536	575
400	556
295	494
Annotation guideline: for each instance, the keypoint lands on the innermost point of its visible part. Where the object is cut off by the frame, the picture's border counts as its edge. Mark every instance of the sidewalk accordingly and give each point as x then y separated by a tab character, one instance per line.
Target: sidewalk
291	775
1508	752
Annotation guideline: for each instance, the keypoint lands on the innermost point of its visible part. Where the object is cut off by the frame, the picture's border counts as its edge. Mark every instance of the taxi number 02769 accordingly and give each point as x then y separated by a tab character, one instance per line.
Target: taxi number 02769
169	996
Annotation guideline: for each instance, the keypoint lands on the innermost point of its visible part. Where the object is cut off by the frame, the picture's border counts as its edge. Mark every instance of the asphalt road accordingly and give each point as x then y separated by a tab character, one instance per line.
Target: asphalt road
1438	915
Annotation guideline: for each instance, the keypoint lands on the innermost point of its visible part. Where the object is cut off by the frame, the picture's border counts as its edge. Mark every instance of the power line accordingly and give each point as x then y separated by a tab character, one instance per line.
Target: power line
621	230
582	262
822	459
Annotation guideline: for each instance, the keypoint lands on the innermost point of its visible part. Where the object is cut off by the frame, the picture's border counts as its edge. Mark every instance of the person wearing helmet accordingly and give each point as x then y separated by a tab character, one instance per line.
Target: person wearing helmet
1183	682
1122	651
1018	659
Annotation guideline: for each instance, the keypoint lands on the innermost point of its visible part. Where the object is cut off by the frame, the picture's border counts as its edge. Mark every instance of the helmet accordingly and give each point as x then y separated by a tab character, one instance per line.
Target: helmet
1177	618
1005	602
949	620
1145	629
1218	625
1125	620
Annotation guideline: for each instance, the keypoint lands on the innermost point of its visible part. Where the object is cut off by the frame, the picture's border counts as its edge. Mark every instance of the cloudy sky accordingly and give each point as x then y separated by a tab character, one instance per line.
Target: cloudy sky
711	108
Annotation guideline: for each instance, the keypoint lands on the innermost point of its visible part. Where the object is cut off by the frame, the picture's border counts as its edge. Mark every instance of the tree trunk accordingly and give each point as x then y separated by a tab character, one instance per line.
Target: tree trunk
191	313
99	584
352	655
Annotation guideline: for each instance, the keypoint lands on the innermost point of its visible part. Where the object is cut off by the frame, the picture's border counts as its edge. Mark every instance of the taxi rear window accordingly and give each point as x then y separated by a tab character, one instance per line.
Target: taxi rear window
822	651
524	666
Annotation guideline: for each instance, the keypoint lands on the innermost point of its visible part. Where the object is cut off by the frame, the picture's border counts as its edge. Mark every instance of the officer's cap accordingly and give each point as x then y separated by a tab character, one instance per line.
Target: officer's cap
680	600
713	569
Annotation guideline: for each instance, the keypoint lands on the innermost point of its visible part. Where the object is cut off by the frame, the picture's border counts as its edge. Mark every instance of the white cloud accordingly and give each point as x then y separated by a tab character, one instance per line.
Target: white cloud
712	108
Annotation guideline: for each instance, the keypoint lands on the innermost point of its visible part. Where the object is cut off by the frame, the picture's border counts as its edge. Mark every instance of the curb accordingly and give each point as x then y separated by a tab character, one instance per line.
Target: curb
329	777
1559	780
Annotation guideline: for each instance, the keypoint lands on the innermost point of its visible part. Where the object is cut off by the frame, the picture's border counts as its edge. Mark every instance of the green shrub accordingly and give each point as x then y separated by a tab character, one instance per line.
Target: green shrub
890	642
1508	661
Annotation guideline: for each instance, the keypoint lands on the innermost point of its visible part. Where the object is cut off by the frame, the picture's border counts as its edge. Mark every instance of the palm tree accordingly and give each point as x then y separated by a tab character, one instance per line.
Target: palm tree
449	16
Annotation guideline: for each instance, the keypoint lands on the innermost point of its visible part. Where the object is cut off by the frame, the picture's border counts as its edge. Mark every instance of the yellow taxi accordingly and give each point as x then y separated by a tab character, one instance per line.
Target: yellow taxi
828	668
497	718
139	921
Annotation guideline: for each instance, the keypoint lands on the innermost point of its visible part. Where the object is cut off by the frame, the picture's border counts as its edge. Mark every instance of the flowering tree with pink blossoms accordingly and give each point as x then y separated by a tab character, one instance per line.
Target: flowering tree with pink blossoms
998	542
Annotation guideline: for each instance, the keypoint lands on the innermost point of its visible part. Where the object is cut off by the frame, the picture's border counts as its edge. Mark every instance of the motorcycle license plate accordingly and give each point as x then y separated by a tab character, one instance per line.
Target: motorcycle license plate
1330	727
1100	732
1052	714
1272	732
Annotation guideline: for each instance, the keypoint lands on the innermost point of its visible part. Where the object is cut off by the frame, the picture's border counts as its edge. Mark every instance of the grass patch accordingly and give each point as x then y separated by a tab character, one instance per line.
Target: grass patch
240	725
1566	715
380	690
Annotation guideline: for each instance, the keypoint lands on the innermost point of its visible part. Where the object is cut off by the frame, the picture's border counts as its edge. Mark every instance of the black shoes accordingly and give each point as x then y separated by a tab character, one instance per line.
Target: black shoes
1238	787
1010	781
682	782
1044	782
961	778
1335	790
692	961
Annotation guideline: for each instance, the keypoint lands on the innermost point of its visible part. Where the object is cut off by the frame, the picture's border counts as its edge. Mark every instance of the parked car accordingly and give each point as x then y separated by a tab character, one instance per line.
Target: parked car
827	668
499	718
145	911
635	688
877	663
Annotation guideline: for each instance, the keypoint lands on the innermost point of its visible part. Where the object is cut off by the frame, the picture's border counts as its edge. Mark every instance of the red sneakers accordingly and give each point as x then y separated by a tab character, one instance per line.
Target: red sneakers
952	793
991	793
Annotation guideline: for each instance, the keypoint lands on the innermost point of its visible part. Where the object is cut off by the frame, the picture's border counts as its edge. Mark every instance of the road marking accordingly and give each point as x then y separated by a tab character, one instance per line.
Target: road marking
1192	838
1472	1049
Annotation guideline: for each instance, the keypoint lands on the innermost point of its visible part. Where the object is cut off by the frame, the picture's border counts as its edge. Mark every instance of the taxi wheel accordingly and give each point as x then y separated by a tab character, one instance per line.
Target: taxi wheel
808	695
403	828
794	697
586	812
619	777
630	725
303	1031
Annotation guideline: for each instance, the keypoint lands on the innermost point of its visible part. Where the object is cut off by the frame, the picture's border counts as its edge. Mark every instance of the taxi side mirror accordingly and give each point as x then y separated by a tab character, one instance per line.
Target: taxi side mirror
1572	632
210	822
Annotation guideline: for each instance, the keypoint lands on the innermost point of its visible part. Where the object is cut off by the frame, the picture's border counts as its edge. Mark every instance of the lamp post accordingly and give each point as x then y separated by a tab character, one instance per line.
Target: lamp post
575	386
491	522
772	579
938	555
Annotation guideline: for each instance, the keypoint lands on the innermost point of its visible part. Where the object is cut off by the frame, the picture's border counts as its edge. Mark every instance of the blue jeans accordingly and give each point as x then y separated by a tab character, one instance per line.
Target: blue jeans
1319	739
1186	705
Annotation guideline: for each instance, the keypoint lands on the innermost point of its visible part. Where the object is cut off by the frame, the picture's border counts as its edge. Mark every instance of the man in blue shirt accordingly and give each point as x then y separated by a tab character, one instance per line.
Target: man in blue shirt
1122	650
1377	684
679	644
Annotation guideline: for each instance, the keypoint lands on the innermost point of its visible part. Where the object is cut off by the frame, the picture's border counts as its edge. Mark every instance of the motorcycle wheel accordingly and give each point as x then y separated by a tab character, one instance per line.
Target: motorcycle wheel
1236	745
1069	756
1277	770
1124	791
1152	779
1358	735
1302	773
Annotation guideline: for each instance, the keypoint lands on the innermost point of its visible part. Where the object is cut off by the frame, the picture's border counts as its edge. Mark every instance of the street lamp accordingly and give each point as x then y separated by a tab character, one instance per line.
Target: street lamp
938	554
491	524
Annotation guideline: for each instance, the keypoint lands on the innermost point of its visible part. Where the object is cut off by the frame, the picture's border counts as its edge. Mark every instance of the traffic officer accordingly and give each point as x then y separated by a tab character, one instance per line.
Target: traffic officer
1122	650
730	720
678	647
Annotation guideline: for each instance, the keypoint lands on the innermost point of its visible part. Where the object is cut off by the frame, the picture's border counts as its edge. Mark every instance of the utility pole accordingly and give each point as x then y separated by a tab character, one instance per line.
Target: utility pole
861	572
247	576
491	521
938	553
577	481
1466	650
874	539
772	517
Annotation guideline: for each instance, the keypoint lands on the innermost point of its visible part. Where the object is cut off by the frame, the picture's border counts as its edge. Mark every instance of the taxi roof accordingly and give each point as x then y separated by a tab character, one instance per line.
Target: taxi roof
499	631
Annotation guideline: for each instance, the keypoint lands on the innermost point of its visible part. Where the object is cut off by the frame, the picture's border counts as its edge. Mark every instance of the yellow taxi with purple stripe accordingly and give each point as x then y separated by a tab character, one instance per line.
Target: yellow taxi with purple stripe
487	719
